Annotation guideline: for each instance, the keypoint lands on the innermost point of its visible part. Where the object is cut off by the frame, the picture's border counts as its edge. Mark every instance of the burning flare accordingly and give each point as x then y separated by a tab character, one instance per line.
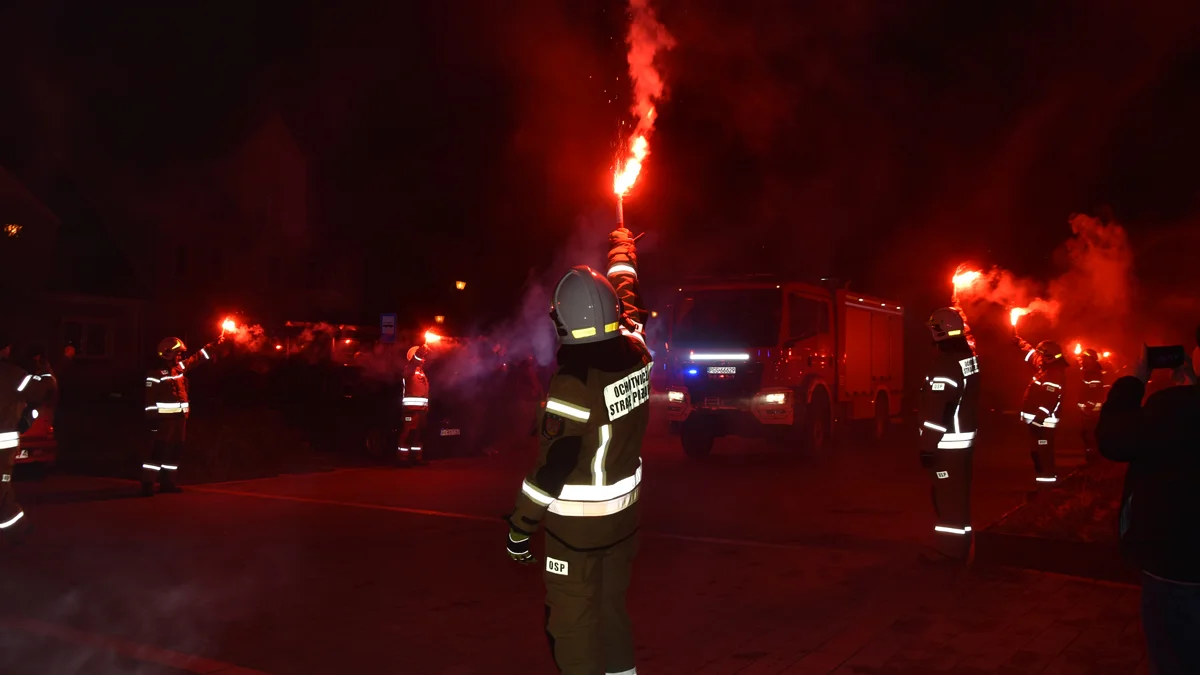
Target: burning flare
229	326
1015	315
432	337
1078	349
646	37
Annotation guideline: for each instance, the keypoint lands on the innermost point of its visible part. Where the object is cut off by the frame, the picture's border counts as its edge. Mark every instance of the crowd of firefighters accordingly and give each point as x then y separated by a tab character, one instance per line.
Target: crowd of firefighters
949	417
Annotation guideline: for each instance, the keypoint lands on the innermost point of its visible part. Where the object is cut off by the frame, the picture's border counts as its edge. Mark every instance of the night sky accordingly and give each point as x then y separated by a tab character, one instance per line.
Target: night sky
880	141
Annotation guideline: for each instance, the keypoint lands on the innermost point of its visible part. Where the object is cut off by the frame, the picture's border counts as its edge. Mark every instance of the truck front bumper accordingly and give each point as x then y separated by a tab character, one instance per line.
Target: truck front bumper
770	407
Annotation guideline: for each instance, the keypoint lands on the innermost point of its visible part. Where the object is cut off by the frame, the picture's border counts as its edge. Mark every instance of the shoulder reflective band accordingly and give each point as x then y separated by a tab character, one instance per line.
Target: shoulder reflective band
9	439
946	380
601	451
24	383
935	427
1029	354
952	530
205	353
594	509
569	410
535	494
622	268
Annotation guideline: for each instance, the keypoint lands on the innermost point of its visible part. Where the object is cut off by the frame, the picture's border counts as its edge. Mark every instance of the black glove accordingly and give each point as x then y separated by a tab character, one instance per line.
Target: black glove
926	460
621	247
518	547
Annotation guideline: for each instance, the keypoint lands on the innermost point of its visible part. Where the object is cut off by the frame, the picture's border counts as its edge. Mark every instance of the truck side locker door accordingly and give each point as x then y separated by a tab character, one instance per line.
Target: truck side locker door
896	346
857	367
881	331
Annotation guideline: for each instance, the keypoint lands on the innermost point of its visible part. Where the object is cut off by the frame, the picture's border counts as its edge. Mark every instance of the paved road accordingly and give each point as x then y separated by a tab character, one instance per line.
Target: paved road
753	561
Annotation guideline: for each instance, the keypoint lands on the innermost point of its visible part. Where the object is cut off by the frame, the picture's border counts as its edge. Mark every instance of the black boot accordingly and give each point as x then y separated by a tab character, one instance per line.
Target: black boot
147	489
166	484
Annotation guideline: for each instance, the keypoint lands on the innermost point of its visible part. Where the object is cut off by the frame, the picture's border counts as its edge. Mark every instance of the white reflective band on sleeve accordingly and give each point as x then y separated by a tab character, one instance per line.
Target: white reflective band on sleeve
954	445
170	467
151	407
415	401
152	380
152	467
560	407
1049	423
598	461
1047	480
935	427
600	493
9	439
622	268
535	494
168	408
1029	354
593	509
946	380
24	383
952	530
12	521
205	353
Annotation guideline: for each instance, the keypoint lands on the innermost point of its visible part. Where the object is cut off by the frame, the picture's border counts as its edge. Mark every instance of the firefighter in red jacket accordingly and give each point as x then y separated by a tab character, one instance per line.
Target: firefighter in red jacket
409	450
1092	393
1043	398
167	410
949	422
20	394
585	483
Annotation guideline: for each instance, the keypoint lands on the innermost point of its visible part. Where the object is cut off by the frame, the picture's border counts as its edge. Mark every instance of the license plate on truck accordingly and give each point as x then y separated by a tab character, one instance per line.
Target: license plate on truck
722	370
451	432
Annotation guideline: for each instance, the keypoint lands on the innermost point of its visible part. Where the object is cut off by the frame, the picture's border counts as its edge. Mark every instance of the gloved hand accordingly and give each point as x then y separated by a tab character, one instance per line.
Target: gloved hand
621	247
518	547
1017	341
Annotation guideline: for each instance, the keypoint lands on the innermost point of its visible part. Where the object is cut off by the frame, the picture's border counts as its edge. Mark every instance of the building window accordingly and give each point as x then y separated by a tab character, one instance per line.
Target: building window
13	230
93	338
181	261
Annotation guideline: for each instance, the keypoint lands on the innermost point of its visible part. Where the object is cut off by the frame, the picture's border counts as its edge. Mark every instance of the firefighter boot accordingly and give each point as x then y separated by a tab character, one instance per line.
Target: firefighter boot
418	457
166	483
147	489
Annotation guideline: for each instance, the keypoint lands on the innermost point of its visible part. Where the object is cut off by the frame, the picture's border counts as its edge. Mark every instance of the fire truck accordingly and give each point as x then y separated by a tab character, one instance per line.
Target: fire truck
789	360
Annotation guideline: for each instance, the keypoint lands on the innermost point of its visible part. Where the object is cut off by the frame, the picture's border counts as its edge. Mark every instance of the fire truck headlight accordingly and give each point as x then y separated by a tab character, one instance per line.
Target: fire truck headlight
675	396
776	398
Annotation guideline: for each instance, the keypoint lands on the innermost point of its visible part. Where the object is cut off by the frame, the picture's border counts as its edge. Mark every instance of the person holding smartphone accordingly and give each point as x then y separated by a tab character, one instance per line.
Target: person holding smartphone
1160	506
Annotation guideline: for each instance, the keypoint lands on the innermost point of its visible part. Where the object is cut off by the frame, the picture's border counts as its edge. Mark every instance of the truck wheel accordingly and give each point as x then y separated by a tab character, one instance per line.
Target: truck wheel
697	437
818	424
882	424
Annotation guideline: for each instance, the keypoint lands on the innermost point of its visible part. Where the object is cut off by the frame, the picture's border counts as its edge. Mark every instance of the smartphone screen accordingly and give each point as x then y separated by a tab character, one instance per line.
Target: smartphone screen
1165	358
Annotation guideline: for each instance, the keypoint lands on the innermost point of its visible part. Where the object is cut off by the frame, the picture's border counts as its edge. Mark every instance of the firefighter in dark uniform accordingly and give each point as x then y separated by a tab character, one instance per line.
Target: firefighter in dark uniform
1092	392
1043	398
20	394
167	410
409	450
949	422
585	482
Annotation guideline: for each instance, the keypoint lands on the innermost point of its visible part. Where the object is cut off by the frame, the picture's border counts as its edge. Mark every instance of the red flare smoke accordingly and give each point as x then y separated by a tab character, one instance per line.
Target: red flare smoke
646	37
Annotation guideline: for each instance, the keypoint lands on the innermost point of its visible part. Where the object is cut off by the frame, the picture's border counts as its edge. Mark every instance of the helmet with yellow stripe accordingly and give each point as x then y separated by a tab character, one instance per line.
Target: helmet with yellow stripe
948	323
170	348
585	308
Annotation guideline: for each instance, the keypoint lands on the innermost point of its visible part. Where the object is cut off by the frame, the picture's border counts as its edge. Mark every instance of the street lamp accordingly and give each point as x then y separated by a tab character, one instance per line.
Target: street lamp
460	285
439	319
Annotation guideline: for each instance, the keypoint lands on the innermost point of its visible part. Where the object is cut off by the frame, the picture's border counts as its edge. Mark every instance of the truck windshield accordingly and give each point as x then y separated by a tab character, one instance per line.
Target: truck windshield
744	317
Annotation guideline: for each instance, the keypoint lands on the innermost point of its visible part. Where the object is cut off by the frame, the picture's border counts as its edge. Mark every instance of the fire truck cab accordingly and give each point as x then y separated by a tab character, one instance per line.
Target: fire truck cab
788	360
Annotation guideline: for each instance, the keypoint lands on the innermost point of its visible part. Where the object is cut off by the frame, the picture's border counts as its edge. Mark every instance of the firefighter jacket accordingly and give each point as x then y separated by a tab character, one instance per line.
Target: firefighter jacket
19	390
950	402
167	385
1043	396
1092	391
586	480
416	388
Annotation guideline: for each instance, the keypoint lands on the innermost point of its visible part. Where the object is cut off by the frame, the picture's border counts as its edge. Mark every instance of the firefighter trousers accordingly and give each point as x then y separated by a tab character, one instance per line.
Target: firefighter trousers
12	516
1088	420
161	462
408	443
586	621
1042	452
951	473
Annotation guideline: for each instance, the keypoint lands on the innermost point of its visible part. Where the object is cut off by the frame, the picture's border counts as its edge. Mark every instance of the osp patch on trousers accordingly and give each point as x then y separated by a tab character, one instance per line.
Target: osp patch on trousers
586	623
